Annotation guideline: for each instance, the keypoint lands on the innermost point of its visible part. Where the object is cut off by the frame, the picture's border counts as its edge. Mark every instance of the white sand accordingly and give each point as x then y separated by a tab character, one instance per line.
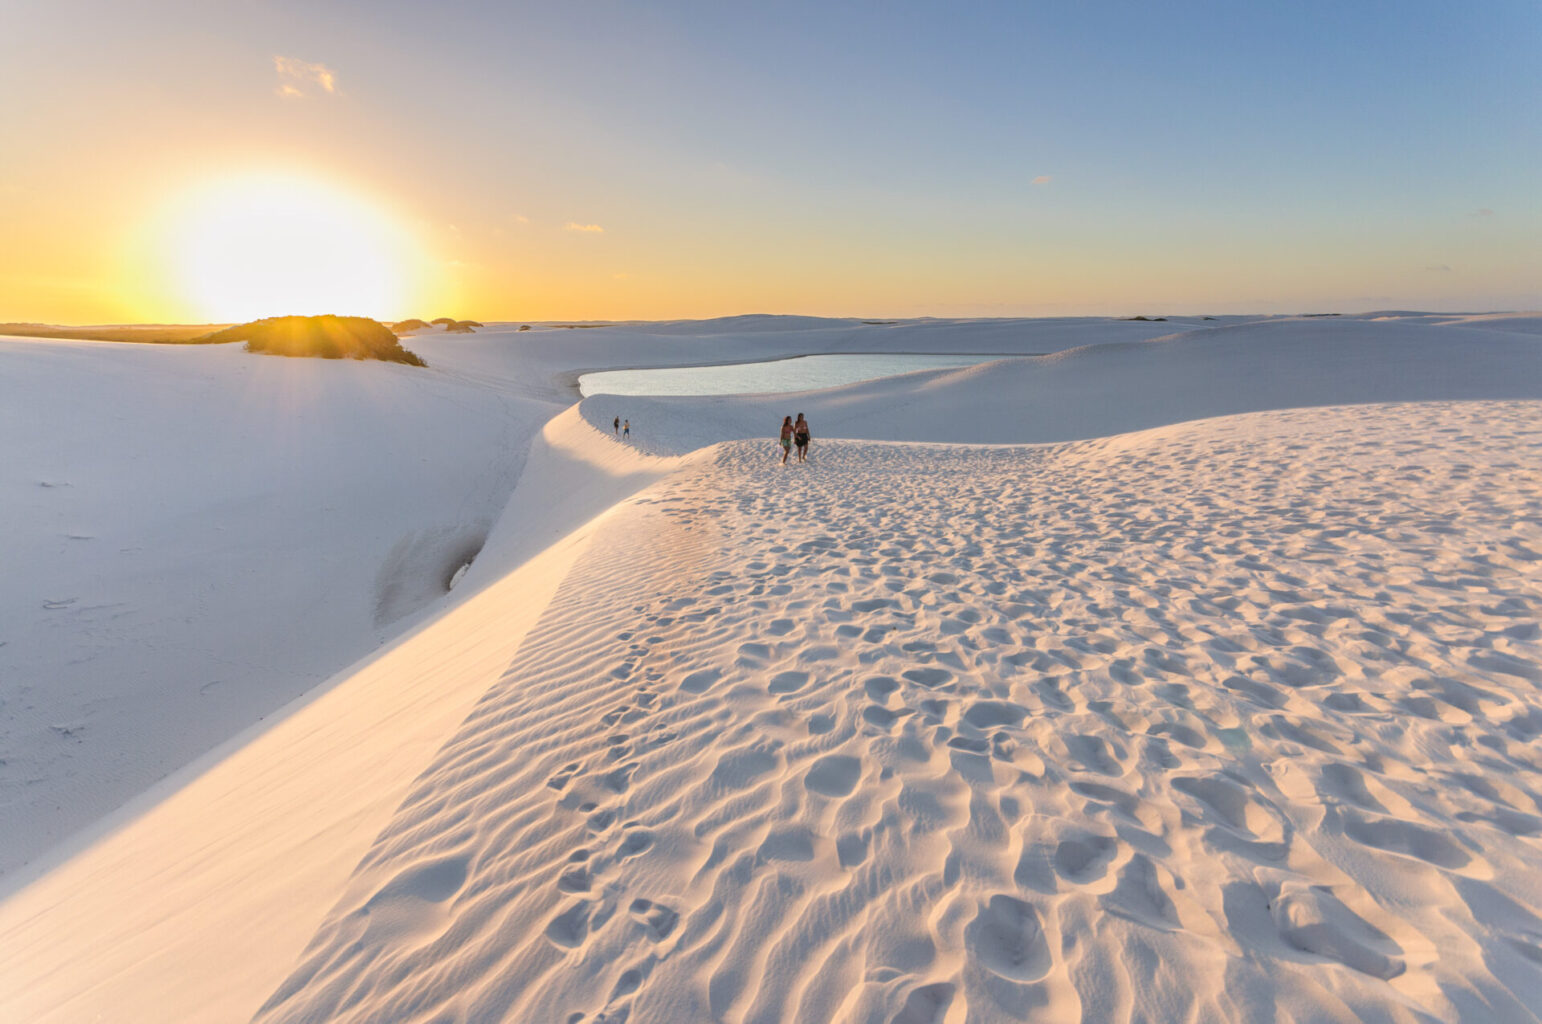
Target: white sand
195	536
1222	720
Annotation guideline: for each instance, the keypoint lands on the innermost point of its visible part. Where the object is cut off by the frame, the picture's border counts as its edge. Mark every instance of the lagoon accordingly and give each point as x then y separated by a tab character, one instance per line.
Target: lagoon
800	373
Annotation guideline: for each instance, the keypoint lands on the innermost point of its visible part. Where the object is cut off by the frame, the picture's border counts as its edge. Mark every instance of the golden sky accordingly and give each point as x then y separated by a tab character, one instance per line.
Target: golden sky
184	162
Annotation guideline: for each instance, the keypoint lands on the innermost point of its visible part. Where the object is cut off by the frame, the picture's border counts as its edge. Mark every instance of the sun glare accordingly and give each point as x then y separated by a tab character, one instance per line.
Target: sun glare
254	247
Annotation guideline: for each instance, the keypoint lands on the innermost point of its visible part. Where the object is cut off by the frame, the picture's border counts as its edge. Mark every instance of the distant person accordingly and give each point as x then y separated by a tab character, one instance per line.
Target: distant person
626	429
800	436
615	425
786	439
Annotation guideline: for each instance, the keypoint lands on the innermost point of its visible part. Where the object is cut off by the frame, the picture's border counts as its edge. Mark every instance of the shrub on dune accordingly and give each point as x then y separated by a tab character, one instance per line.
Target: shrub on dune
414	324
323	337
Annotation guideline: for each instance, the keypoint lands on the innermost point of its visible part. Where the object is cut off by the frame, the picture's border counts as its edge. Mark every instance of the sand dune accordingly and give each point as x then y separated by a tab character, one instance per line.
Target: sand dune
1113	730
1210	719
1111	388
194	536
264	829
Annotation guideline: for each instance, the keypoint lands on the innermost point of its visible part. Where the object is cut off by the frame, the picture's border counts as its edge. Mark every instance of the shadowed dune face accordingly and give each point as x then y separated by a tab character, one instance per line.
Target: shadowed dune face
1141	729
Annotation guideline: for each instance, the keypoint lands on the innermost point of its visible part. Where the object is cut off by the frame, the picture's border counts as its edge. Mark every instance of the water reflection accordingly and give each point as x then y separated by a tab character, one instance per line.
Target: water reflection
803	373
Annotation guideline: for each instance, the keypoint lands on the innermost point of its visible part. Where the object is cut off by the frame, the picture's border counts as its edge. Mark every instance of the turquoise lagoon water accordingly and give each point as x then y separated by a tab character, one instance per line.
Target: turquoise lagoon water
803	373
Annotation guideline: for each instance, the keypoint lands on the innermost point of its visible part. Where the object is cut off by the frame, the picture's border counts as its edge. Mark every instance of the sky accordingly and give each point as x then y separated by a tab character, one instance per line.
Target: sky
613	159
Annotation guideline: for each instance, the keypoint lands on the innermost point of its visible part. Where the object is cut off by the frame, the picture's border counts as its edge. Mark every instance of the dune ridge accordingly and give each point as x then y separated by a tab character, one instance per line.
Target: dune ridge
286	808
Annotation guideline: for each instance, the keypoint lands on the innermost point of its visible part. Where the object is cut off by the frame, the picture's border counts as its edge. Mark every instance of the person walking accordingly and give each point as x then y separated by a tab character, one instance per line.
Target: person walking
800	437
786	439
615	425
626	429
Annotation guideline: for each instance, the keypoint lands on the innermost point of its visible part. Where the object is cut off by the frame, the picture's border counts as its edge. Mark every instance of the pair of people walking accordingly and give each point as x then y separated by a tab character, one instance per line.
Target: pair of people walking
622	430
794	434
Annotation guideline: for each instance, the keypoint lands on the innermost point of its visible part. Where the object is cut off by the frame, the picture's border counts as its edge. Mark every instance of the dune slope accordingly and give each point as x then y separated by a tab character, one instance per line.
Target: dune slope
194	536
1225	720
1117	387
196	900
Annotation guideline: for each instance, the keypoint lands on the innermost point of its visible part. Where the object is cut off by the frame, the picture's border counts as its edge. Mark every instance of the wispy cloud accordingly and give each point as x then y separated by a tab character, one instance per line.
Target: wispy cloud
1042	179
1439	268
298	79
593	229
1485	212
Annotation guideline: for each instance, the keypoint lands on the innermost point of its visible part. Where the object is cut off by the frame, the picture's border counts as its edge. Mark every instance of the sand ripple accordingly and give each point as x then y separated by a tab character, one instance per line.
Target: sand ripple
1171	726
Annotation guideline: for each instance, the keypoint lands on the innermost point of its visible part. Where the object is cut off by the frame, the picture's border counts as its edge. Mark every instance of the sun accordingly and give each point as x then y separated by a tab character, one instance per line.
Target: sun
273	245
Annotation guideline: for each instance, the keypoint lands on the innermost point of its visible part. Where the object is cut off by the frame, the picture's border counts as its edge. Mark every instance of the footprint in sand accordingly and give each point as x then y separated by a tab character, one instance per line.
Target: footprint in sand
701	680
576	879
1314	921
1095	755
851	849
931	678
1085	859
1127	804
619	780
753	655
628	983
878	688
991	714
658	919
634	842
791	843
1225	798
835	775
787	682
563	776
1407	839
1346	782
737	769
1007	939
414	904
1180	733
925	1005
569	928
1142	894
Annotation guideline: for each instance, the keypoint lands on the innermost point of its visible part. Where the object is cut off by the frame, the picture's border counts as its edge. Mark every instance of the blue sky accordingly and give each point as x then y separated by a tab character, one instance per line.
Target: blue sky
884	159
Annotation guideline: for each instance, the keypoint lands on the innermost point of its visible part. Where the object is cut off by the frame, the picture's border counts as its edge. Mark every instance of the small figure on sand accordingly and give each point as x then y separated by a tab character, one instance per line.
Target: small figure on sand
786	438
626	429
615	425
800	437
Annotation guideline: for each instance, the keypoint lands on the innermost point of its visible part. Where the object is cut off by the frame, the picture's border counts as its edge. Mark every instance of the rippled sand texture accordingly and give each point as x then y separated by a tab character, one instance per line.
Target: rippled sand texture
1221	719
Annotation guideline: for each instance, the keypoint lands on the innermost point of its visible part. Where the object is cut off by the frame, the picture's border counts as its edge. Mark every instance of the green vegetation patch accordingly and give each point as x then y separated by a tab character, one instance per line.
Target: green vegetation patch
148	334
322	337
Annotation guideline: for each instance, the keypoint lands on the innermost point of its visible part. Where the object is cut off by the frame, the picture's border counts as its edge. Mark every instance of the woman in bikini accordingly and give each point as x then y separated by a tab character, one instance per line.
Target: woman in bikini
786	438
800	436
